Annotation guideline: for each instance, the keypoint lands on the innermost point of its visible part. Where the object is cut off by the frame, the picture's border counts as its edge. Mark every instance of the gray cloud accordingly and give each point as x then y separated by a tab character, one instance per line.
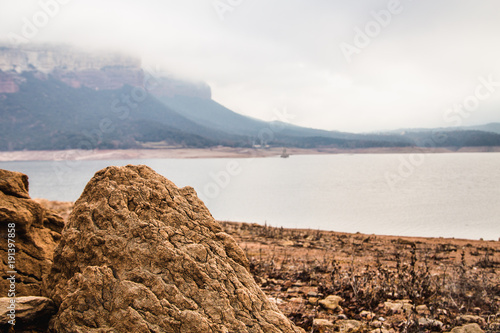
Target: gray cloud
266	55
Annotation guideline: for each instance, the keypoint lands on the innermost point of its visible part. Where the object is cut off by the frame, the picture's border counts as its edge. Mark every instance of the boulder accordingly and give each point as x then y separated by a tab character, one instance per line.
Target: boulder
139	254
33	233
31	313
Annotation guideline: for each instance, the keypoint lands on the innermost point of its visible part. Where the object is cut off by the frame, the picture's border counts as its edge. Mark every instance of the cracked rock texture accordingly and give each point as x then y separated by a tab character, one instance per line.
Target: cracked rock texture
141	255
37	232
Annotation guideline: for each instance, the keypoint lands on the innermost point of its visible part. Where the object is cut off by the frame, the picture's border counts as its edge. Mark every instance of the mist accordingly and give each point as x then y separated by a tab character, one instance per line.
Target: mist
363	66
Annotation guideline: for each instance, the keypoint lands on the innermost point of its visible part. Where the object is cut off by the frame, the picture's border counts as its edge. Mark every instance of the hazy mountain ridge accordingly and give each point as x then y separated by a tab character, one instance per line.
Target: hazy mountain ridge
48	114
491	127
209	113
58	98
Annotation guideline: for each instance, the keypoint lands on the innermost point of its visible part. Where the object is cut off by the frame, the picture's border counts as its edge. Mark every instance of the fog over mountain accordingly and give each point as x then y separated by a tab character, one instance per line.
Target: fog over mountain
369	65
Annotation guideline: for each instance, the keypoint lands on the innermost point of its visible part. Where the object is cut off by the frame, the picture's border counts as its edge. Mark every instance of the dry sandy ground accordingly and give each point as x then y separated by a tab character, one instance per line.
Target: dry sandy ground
216	152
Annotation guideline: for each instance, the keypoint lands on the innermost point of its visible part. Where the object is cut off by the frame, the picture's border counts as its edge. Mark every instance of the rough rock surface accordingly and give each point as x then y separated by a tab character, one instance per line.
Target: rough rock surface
32	313
141	255
37	231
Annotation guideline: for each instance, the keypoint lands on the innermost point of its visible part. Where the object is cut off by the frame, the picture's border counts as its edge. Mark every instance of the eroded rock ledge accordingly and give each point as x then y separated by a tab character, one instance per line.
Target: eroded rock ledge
139	254
37	231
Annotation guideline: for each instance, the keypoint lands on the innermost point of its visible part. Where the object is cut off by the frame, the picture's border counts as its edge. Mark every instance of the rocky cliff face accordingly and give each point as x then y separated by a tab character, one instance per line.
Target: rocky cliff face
46	59
141	255
37	232
78	68
9	82
73	67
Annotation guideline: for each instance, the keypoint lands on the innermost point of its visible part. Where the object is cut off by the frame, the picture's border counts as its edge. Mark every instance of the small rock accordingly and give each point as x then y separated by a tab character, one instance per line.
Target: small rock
367	315
293	290
422	309
313	300
430	323
260	280
347	325
320	325
467	319
398	306
442	312
275	300
380	330
296	300
469	328
376	324
331	302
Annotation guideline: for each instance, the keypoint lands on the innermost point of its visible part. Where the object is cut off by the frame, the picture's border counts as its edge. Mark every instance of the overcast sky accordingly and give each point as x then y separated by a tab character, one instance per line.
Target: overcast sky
352	65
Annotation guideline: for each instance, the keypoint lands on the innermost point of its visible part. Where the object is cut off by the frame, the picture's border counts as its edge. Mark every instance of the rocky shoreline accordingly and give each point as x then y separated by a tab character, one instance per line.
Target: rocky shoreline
138	252
215	152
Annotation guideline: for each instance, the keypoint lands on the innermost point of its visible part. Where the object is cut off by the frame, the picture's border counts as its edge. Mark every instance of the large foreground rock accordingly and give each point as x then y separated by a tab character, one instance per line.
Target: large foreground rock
141	255
36	233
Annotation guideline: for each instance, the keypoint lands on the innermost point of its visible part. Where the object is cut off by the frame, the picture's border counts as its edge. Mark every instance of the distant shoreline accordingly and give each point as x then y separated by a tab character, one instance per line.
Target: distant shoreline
216	152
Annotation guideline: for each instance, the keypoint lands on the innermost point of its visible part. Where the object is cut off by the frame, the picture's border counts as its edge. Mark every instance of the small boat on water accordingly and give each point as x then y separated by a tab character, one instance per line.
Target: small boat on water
284	154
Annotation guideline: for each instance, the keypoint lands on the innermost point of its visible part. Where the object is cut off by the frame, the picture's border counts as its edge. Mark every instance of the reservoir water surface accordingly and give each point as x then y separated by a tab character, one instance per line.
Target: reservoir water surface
431	195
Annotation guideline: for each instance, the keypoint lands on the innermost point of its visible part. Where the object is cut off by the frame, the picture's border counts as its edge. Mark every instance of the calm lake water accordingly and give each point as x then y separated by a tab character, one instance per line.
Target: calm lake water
437	195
